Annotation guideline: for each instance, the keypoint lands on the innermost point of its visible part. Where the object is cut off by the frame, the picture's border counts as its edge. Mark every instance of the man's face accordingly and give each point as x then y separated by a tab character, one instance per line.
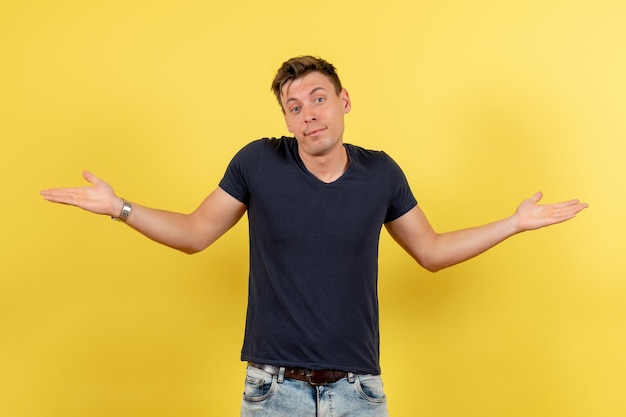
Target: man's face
314	113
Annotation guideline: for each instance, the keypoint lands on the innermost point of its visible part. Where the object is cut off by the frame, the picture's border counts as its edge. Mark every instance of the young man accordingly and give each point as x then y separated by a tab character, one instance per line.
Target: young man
316	207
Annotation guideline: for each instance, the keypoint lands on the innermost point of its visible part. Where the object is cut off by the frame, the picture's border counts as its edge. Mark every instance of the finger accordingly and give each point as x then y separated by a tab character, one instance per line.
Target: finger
569	209
89	177
60	196
578	207
536	197
73	196
55	192
569	204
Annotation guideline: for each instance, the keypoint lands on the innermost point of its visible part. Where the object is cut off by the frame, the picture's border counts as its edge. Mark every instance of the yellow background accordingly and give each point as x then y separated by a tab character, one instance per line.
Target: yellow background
481	102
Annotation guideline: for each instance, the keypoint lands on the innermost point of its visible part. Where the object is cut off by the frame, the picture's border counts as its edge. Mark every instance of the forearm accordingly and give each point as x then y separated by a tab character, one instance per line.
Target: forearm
175	230
189	233
451	248
435	251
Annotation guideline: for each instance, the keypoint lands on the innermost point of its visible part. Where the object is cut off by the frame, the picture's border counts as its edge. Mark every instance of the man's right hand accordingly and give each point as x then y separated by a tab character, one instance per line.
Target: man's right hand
97	198
189	233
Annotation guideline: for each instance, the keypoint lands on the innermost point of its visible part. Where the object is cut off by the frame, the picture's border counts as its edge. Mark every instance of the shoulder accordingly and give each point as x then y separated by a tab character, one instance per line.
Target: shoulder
368	157
259	146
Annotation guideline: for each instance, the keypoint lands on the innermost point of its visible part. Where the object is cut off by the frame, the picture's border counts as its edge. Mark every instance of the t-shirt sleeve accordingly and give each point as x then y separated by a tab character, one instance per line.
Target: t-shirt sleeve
402	199
240	172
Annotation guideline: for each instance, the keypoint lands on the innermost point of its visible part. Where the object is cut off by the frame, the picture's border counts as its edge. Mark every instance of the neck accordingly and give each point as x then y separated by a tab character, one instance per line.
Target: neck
329	167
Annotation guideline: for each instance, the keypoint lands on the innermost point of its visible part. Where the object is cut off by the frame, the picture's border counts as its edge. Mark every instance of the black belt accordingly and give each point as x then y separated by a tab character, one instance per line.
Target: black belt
312	376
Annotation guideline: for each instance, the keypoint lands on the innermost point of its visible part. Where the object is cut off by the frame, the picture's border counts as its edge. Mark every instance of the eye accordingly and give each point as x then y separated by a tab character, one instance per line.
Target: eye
320	99
295	109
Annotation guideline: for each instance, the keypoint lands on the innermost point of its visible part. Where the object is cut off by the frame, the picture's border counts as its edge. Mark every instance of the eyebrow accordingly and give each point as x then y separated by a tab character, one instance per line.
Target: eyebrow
310	94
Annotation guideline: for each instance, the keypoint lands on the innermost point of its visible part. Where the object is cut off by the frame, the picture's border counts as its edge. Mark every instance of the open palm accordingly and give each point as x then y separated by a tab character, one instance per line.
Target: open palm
532	215
97	198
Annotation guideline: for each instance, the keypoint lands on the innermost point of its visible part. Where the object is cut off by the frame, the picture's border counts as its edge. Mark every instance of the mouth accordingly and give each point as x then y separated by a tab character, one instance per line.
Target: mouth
314	132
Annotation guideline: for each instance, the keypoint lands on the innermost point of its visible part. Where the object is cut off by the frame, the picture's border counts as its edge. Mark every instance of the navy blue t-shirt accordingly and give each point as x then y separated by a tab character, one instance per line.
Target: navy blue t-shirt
313	300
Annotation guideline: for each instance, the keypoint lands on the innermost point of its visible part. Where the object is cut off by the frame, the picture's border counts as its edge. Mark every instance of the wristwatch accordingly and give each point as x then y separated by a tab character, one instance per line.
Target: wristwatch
126	208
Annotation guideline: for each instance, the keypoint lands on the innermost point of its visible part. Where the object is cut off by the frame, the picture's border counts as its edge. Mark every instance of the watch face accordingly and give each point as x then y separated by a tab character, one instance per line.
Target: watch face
126	208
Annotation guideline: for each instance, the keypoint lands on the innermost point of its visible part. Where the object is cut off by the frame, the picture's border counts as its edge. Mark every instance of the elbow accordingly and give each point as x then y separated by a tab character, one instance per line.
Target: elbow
193	248
189	251
431	264
433	260
197	244
432	267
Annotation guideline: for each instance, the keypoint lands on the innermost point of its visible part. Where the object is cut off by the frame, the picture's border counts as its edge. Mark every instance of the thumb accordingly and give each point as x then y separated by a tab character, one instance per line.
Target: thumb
536	197
89	177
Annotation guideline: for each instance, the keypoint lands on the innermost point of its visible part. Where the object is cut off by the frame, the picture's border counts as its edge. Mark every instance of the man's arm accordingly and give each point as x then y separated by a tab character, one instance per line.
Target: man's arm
188	233
435	251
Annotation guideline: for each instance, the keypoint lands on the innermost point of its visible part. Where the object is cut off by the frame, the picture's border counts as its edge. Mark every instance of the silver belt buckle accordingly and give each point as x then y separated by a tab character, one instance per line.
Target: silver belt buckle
310	377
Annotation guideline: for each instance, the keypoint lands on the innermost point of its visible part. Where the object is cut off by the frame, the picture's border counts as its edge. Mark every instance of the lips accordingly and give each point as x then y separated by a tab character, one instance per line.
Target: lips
314	132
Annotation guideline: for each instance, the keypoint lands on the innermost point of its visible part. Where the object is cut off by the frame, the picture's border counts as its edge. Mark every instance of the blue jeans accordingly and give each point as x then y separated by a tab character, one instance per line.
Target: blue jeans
265	395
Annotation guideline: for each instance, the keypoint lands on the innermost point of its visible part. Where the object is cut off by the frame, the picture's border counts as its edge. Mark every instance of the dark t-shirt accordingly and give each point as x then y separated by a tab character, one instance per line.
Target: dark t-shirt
313	299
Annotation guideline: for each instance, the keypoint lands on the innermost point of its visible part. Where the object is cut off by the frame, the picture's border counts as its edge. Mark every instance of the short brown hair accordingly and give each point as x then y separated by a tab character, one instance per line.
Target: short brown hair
299	67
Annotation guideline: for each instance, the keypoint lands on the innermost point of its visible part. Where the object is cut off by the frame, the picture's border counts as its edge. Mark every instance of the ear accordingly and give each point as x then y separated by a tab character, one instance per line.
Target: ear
345	98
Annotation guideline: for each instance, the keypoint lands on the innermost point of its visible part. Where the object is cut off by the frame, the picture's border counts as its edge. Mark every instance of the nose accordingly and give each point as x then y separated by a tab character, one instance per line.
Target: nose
309	114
